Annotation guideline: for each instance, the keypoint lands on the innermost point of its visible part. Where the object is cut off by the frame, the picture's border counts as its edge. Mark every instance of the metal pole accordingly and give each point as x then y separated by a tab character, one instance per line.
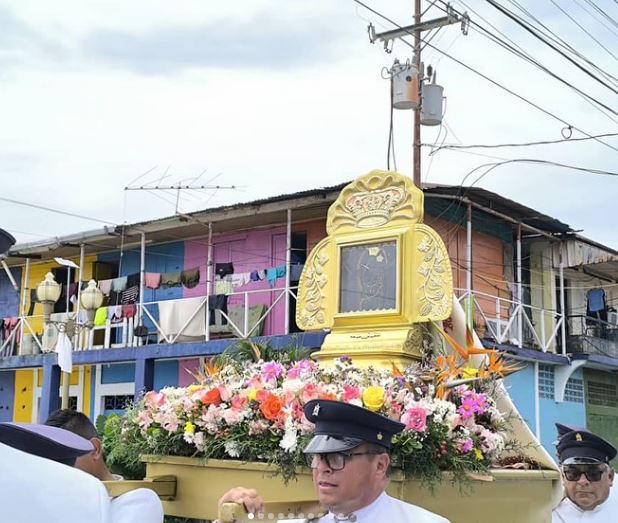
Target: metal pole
537	403
520	323
66	376
209	279
416	171
142	275
288	259
24	291
470	301
562	301
78	332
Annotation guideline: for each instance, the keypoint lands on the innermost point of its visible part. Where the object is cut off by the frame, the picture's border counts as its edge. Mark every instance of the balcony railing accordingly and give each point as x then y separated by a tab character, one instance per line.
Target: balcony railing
248	313
509	321
592	336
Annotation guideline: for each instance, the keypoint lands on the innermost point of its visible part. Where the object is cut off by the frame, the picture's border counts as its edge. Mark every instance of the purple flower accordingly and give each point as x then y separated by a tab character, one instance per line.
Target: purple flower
468	408
465	446
272	370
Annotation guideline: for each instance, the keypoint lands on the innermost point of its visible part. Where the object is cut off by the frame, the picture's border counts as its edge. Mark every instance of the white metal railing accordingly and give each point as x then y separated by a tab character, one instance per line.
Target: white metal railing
238	323
510	320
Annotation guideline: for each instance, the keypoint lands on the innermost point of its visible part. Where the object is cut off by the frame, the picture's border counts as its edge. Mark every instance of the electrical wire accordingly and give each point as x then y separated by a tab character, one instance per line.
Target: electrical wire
517	144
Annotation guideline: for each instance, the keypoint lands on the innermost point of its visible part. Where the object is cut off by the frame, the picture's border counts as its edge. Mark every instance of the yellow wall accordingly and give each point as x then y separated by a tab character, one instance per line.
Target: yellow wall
86	390
24	395
37	274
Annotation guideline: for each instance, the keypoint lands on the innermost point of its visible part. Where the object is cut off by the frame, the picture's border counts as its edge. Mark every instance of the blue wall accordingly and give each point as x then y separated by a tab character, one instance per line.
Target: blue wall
7	395
521	389
165	374
9	297
159	258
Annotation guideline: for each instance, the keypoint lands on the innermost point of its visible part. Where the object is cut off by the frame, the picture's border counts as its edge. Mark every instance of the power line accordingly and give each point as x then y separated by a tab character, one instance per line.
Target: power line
519	144
534	32
521	53
34	206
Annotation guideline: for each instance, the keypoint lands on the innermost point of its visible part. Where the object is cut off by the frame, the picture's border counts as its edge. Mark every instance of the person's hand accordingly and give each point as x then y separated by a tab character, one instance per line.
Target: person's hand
252	501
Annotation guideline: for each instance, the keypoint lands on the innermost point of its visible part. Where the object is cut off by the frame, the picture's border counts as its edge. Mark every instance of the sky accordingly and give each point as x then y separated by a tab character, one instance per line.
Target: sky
275	97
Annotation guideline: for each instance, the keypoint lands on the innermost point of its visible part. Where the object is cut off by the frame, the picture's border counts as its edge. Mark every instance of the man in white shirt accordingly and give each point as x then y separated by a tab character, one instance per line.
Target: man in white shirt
33	488
349	456
141	505
587	478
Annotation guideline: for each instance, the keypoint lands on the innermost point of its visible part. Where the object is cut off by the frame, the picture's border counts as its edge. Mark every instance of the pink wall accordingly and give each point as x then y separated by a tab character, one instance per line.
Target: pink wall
248	251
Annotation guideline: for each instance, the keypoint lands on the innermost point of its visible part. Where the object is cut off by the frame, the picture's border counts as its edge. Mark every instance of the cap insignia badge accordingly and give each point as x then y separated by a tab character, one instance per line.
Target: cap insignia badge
316	409
379	436
578	437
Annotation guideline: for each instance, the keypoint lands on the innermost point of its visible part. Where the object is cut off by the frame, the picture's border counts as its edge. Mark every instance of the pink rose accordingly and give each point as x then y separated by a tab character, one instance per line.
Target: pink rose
415	419
350	393
154	399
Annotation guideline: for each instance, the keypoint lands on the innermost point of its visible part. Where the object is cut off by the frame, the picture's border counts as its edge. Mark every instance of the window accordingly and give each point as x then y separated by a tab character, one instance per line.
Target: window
574	390
603	394
120	402
546	382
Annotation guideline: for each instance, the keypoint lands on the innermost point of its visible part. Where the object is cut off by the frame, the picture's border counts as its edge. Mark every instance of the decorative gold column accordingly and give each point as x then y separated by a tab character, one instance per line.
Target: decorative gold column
377	275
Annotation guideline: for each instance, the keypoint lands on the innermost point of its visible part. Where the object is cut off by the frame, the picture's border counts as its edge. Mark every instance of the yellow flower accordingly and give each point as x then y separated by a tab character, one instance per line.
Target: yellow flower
252	394
189	428
469	372
373	398
478	454
194	388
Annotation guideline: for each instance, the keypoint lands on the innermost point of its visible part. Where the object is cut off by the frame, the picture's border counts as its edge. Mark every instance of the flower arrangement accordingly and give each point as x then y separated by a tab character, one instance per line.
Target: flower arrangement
253	411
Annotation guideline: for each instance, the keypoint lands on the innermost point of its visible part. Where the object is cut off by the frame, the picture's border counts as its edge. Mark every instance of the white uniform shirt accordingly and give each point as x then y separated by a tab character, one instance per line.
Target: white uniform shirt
139	505
569	512
38	489
386	508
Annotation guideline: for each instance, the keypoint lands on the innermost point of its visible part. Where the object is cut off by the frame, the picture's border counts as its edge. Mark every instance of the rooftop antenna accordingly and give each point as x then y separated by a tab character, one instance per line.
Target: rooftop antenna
155	185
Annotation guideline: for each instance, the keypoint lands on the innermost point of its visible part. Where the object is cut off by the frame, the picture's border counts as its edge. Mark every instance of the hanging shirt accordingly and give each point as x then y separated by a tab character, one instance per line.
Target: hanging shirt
190	277
105	286
224	286
596	300
223	269
152	280
119	284
170	279
100	317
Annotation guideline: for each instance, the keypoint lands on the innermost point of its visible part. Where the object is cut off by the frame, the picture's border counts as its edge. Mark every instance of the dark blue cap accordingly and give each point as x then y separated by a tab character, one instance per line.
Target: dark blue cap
584	447
47	442
341	426
563	429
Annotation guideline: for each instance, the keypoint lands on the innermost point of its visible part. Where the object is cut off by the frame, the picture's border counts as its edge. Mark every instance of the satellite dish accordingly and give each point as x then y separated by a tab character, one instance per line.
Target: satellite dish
6	242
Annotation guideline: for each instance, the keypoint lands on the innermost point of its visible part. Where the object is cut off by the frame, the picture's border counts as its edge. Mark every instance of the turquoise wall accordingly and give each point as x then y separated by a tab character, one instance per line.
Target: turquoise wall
521	389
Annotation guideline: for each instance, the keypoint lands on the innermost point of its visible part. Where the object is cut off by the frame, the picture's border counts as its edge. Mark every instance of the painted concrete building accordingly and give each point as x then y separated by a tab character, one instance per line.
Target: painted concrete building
527	281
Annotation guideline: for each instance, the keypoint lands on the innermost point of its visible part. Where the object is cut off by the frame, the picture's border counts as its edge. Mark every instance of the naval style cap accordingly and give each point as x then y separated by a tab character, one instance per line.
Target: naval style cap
584	447
341	426
563	429
47	442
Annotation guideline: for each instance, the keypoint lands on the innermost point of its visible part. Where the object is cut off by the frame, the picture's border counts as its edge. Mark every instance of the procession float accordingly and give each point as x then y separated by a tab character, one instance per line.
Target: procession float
398	344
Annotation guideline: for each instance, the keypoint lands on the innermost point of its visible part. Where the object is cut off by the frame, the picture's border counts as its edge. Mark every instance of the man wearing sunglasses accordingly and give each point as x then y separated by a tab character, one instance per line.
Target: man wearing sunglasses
349	457
587	477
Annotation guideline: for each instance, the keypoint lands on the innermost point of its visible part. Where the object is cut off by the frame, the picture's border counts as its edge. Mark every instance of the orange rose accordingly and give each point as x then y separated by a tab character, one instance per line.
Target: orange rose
271	407
211	397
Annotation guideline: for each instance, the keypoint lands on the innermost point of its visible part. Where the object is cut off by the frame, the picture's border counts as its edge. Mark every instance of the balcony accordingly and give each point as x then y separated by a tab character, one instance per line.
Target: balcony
588	335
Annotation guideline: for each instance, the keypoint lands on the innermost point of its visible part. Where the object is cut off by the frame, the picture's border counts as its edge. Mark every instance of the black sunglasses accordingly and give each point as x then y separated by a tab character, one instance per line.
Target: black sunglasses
592	474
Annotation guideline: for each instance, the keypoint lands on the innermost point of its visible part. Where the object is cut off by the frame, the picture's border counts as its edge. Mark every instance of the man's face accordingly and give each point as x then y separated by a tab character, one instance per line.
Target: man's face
584	493
358	484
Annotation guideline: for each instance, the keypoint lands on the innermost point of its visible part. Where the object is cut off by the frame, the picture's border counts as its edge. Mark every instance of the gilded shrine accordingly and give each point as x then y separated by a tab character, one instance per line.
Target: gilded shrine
377	275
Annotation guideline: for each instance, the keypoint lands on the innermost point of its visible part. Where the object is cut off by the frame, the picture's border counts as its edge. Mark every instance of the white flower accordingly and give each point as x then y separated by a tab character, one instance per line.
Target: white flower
289	441
231	447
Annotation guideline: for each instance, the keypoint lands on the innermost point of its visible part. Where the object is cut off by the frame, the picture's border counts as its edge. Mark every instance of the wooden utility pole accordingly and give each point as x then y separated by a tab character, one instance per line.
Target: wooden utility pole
416	160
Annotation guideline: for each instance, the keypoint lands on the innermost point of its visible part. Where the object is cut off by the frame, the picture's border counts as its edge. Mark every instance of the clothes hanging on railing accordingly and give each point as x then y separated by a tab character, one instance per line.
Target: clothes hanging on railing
100	316
130	295
217	302
190	277
296	270
133	280
173	314
129	310
119	284
273	273
170	279
223	269
224	285
253	276
105	286
152	280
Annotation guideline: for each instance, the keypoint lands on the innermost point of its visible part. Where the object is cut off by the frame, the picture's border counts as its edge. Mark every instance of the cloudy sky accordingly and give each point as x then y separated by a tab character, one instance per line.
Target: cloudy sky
277	97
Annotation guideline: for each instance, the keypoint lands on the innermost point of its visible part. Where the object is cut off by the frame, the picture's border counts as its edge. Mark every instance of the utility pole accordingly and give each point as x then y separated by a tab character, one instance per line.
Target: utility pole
416	31
416	148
